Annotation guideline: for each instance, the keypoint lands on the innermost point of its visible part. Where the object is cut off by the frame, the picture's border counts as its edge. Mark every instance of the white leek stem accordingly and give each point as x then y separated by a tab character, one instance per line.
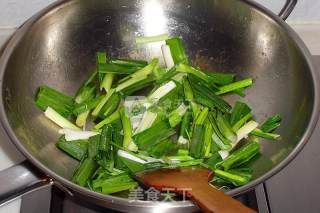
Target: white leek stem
59	119
162	91
166	52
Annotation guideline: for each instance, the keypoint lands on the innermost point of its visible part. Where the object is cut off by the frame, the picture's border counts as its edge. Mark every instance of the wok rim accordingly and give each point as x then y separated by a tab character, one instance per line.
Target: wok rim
118	201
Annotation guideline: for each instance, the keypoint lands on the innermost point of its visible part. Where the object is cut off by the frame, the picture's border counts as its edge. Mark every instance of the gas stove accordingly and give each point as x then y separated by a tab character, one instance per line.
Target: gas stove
294	189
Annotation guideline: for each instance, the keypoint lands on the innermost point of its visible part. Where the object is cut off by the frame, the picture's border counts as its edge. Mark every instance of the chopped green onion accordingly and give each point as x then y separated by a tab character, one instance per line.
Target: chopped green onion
151	39
185	129
82	118
127	131
175	117
113	117
147	69
235	86
241	156
59	119
269	136
242	121
146	121
128	62
153	135
87	105
213	161
166	53
165	147
106	83
188	93
114	184
84	172
103	101
110	68
110	106
222	142
225	128
221	78
71	135
244	131
198	134
184	68
184	164
271	124
48	97
207	139
76	149
205	97
177	50
161	91
202	116
179	158
239	110
237	180
85	93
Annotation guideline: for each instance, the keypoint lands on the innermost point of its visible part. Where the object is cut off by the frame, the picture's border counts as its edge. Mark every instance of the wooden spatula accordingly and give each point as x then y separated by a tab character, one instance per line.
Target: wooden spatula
196	179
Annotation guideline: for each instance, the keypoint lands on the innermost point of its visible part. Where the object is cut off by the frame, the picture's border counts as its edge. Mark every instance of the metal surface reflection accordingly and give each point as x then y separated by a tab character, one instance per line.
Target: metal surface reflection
154	19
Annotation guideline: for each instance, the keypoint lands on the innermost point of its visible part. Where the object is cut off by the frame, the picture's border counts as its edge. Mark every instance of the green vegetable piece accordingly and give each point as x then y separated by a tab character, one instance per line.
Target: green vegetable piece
138	86
271	124
153	135
194	162
84	172
76	149
235	86
112	118
87	105
184	68
202	116
205	97
111	68
128	62
237	180
185	130
213	161
138	76
239	110
207	139
127	129
61	103
241	156
188	93
151	39
163	148
110	106
270	136
197	141
177	50
101	58
222	142
85	93
221	78
93	146
103	101
175	117
107	81
225	128
115	184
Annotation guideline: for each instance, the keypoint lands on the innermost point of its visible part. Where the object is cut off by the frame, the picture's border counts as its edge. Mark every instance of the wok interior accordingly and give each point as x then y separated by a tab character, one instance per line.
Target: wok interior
221	35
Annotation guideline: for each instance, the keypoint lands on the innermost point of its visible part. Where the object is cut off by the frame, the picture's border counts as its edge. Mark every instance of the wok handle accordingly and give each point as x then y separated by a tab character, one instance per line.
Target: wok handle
19	180
287	9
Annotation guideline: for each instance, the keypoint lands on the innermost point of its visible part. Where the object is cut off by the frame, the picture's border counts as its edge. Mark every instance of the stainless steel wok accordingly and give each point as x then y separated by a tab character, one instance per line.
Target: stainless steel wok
56	47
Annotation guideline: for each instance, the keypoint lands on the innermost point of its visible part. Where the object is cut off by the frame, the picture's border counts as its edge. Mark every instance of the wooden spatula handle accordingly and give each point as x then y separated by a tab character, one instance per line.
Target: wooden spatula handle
212	200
